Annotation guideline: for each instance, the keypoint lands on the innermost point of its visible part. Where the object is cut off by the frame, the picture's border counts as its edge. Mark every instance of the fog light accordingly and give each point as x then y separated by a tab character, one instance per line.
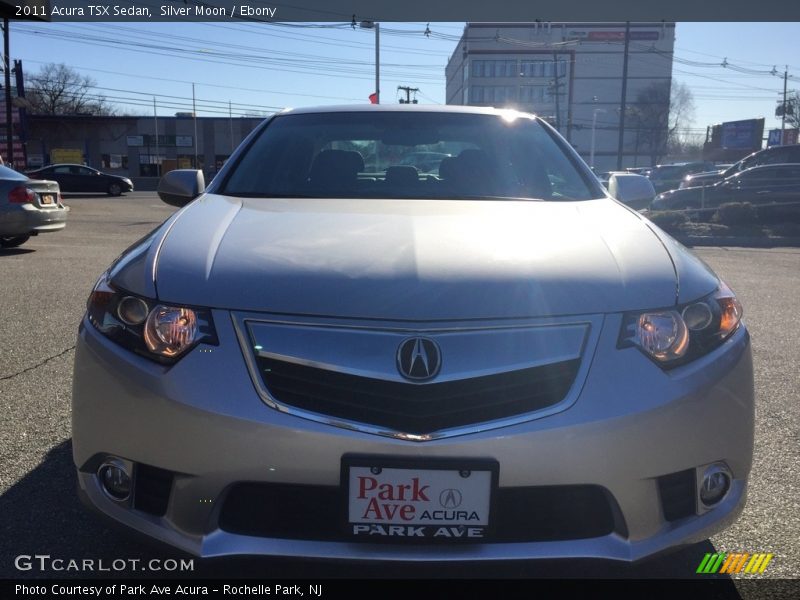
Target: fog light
115	480
716	483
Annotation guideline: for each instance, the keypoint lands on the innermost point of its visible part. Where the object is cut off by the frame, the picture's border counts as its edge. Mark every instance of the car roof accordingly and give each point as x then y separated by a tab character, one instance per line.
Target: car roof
422	108
66	165
772	166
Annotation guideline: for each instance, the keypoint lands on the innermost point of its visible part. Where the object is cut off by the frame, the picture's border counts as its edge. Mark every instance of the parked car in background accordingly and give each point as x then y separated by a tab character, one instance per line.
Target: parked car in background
762	185
669	177
80	178
645	171
28	207
494	362
768	156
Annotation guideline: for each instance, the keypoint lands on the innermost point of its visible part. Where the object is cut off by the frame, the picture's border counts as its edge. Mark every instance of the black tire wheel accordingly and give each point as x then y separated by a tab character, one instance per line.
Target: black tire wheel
114	189
13	242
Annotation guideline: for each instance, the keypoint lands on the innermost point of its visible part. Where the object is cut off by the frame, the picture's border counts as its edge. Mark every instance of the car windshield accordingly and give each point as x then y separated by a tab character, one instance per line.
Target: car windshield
409	155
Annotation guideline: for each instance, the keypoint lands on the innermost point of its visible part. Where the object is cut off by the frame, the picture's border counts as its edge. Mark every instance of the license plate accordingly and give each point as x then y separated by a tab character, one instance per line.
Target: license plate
447	501
47	199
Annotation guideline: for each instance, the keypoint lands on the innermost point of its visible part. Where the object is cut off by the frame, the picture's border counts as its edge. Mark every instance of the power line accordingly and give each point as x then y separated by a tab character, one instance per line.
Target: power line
203	83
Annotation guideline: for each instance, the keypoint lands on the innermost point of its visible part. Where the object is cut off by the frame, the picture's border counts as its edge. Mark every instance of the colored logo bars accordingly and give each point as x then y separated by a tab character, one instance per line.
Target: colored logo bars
734	563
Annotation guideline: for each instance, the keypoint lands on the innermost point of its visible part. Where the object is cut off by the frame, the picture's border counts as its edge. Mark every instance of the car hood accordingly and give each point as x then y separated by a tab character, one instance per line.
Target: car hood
705	176
672	196
413	259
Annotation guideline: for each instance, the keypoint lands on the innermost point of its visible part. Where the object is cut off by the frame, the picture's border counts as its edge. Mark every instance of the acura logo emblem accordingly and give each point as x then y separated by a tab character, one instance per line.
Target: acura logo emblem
450	498
419	359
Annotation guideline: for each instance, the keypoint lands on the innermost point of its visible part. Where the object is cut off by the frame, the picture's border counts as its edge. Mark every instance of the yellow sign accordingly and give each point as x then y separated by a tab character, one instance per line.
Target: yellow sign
66	155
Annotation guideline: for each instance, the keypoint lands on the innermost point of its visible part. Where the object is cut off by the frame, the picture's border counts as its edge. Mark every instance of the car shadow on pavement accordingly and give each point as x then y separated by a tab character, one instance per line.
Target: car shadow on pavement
42	515
15	251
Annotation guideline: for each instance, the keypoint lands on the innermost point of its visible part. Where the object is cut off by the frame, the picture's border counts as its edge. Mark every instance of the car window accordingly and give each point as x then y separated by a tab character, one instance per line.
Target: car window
757	175
85	171
785	173
62	169
774	157
408	155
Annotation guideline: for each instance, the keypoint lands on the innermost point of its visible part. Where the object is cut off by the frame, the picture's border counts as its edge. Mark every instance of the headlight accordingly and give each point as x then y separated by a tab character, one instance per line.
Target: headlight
674	336
157	331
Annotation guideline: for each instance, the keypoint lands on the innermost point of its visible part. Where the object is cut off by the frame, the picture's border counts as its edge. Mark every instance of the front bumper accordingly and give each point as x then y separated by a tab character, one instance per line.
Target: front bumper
204	421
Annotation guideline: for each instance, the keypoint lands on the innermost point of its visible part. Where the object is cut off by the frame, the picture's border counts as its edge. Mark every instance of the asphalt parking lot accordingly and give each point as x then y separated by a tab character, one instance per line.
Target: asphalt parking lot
43	289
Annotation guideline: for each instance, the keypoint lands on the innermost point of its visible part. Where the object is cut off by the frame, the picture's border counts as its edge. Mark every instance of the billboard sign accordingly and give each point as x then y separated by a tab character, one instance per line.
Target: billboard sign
789	137
742	135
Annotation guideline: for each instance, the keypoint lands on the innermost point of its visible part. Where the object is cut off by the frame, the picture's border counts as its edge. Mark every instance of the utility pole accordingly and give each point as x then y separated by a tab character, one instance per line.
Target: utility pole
230	120
621	141
594	126
7	70
408	91
783	112
155	122
556	90
194	116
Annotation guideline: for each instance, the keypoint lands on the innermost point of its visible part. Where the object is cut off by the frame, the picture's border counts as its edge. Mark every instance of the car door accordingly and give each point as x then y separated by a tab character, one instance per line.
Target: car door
754	185
62	174
786	187
90	180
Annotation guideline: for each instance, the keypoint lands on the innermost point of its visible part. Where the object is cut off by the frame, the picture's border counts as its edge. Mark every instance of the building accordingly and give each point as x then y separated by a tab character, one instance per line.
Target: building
128	145
572	75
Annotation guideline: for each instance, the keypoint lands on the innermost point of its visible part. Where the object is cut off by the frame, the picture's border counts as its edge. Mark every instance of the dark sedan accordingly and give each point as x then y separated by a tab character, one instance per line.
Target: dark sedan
766	184
769	156
669	177
80	178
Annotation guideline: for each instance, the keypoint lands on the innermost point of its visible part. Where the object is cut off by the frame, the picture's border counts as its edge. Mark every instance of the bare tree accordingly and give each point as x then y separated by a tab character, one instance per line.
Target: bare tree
792	109
58	89
660	113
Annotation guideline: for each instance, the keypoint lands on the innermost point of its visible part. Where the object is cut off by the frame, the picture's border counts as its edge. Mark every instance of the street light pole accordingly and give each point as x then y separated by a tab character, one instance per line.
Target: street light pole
377	27
594	124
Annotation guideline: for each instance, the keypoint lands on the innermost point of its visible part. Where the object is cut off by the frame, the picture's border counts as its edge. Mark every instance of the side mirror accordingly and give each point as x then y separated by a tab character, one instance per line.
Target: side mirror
181	186
636	191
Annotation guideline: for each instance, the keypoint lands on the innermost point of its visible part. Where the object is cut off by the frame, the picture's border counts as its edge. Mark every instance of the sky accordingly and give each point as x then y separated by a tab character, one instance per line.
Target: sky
259	68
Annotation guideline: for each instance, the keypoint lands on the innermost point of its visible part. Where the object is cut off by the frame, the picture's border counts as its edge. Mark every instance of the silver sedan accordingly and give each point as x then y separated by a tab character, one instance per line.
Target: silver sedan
328	353
27	208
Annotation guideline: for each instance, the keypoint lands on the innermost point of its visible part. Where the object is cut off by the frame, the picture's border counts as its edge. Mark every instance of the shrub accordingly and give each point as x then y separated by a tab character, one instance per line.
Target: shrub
704	229
735	214
668	220
785	229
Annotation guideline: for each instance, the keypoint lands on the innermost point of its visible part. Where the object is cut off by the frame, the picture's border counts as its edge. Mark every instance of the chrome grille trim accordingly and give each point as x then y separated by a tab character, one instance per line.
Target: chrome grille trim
592	325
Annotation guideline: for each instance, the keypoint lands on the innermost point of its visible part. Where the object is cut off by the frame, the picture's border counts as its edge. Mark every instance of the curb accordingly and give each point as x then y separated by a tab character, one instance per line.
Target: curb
744	242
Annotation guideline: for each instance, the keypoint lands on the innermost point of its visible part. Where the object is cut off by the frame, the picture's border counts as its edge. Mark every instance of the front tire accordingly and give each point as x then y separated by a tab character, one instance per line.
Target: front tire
13	242
114	189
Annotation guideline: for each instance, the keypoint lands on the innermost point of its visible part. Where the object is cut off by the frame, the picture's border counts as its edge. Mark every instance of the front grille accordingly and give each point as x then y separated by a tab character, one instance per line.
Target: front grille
678	492
152	489
310	512
417	408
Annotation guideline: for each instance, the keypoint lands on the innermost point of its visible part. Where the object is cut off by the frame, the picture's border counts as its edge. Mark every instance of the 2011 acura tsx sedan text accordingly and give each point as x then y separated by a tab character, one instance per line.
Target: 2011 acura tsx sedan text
328	353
